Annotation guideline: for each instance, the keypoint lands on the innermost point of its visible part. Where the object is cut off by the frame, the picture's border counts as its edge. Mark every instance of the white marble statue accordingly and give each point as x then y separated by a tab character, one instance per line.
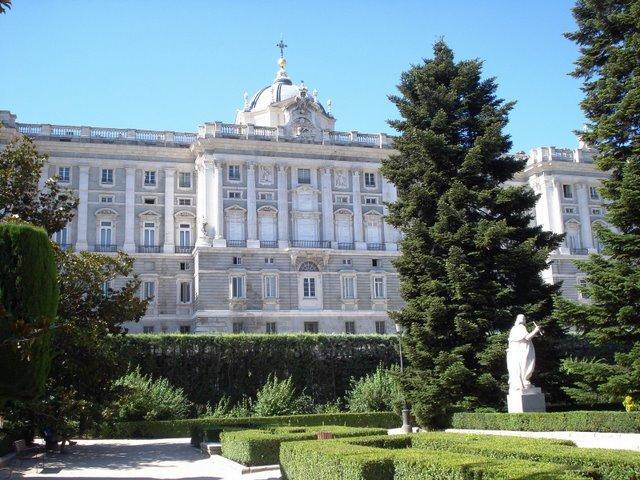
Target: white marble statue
521	356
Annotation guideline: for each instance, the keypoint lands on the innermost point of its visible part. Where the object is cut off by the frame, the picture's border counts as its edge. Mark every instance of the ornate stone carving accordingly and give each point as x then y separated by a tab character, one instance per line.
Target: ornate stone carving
341	178
266	174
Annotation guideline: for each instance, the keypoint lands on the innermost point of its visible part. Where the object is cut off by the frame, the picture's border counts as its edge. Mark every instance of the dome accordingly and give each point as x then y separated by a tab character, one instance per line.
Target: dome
280	90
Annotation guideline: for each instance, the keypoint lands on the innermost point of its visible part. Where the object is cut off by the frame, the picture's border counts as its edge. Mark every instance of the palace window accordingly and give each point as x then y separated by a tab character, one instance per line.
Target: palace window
596	211
184	233
185	329
593	193
149	178
185	266
238	327
237	286
375	262
148	329
106	176
265	196
304	176
270	286
184	180
369	179
378	287
346	261
271	328
343	199
106	198
569	210
62	236
233	173
149	234
64	174
567	191
381	327
310	327
106	289
149	200
269	260
348	287
185	292
350	327
582	282
234	194
106	233
370	200
237	260
149	290
184	202
309	287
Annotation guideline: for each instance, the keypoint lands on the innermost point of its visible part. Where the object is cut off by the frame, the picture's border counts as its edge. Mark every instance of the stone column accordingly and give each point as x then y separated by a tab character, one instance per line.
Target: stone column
44	176
283	207
556	207
327	206
201	206
169	233
83	210
210	188
389	195
218	205
585	215
252	221
357	213
130	210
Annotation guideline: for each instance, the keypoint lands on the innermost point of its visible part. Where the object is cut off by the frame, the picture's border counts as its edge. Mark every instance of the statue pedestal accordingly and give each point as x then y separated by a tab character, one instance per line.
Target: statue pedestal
529	400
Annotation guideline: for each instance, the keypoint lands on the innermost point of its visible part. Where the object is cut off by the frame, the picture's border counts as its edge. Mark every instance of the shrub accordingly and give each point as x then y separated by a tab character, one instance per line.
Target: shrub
262	447
329	407
376	392
280	398
28	305
580	421
145	398
186	427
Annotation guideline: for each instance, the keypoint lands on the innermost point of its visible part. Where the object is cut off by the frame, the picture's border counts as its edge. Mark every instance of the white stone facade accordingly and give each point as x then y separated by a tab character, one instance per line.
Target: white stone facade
274	223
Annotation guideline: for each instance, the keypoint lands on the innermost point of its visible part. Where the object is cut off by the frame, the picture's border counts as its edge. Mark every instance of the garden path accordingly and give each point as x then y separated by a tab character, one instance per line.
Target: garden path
169	458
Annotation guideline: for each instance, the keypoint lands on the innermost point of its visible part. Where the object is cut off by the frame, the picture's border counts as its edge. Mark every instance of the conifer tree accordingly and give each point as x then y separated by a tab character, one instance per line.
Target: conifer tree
609	38
471	259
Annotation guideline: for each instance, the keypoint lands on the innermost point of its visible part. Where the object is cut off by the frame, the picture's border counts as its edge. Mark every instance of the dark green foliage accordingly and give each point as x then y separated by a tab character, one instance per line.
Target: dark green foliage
262	447
471	259
279	397
29	302
20	165
437	455
196	427
139	397
207	367
578	421
608	35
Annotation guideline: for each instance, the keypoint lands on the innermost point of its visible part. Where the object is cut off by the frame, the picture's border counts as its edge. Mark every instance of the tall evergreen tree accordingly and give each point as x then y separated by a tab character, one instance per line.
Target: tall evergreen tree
609	38
471	259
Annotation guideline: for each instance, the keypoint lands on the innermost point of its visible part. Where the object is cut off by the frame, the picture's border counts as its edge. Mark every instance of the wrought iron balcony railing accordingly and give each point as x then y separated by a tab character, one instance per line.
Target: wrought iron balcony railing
578	251
184	248
311	243
268	244
105	248
346	246
149	248
236	243
375	246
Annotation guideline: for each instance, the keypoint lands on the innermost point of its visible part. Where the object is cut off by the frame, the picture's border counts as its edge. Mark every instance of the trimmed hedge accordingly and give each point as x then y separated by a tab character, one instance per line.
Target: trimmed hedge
609	464
578	421
262	447
239	365
196	427
344	459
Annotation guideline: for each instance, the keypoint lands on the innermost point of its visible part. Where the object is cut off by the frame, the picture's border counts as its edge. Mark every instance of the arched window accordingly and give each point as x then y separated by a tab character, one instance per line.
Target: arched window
308	267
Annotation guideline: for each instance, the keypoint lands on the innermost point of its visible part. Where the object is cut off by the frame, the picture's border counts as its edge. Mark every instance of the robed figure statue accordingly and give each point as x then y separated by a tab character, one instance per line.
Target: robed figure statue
521	356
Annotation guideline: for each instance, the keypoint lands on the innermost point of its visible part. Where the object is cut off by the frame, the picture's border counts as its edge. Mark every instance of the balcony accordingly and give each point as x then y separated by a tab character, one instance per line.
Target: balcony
578	251
149	248
184	248
268	244
311	243
237	243
346	246
375	246
105	248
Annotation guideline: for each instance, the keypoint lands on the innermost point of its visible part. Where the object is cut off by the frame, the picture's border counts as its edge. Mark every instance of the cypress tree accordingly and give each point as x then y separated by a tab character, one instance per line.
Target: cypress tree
609	38
471	257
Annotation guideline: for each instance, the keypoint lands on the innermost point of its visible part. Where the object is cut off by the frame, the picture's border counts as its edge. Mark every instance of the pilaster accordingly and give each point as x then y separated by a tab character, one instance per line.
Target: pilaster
585	215
169	233
327	206
358	232
130	210
83	210
218	205
252	225
283	207
201	206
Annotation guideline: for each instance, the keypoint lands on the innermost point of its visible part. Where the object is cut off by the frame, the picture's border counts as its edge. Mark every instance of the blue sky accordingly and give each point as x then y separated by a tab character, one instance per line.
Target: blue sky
174	65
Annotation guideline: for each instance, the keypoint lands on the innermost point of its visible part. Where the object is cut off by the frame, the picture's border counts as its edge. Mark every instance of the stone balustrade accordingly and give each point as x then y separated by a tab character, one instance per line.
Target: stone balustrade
208	130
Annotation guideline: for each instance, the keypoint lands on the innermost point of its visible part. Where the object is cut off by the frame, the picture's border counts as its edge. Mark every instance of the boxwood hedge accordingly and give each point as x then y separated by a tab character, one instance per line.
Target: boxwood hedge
196	427
262	447
579	421
357	459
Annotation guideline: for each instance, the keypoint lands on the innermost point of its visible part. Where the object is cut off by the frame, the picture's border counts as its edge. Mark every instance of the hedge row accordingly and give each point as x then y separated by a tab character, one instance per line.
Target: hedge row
196	427
239	365
355	459
262	447
609	464
578	421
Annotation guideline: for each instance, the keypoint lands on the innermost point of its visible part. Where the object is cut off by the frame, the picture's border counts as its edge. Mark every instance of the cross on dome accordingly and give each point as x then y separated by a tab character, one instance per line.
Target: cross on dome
281	45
